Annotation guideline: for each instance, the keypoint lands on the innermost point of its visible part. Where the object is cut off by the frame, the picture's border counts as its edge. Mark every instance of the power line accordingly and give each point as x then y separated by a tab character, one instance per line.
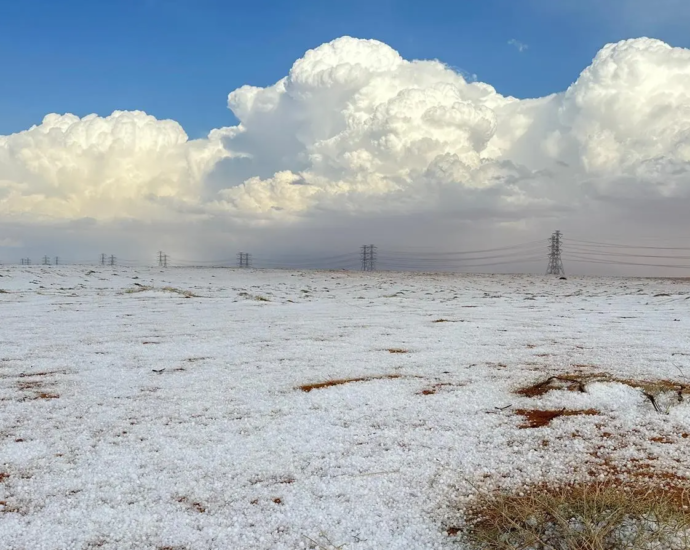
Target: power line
613	245
584	259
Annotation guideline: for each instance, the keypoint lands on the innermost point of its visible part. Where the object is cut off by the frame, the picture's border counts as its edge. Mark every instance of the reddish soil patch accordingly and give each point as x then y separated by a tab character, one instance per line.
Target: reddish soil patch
538	418
3	476
339	382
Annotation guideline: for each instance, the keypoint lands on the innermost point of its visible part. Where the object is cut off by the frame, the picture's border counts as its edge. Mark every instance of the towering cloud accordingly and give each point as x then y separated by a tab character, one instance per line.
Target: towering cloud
104	168
356	128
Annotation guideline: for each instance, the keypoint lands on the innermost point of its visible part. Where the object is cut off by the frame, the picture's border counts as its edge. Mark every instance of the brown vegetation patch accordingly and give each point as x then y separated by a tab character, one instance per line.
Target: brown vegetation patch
194	505
608	515
339	382
579	381
638	471
40	395
397	350
538	418
44	373
564	382
44	395
6	508
30	384
433	389
3	476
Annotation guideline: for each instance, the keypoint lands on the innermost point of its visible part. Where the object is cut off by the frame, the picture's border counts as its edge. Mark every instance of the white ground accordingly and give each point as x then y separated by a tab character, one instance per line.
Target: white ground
219	449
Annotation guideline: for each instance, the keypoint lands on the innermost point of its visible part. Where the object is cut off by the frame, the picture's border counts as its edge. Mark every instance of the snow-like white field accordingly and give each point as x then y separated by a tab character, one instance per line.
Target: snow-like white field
151	420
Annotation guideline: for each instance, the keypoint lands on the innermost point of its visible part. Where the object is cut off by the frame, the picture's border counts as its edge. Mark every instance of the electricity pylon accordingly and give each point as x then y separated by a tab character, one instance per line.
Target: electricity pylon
555	261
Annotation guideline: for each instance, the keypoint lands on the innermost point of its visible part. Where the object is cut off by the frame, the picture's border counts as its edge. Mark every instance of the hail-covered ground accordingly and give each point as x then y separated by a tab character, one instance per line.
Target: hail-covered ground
176	409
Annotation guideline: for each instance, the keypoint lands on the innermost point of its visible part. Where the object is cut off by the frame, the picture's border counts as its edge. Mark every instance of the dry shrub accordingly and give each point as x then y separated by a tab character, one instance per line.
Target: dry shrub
590	516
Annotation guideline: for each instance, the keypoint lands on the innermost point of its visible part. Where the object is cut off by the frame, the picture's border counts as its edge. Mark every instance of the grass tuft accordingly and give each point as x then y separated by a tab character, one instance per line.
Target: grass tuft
587	516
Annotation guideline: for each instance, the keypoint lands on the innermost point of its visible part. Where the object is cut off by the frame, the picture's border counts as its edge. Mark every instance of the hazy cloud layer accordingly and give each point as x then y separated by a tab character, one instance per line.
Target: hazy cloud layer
354	130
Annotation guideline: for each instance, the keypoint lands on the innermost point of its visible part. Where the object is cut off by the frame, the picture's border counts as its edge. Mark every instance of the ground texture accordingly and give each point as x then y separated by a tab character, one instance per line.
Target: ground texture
236	409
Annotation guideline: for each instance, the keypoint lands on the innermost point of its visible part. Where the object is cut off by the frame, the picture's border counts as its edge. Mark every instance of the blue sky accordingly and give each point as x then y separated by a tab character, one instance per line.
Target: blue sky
179	58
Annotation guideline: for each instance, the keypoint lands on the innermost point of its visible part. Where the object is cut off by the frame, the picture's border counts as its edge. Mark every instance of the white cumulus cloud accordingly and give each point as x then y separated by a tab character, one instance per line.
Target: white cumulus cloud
354	128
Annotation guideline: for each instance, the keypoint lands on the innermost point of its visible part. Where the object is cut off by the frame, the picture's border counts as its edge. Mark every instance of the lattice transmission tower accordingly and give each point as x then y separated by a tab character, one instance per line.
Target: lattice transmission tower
244	259
368	257
555	261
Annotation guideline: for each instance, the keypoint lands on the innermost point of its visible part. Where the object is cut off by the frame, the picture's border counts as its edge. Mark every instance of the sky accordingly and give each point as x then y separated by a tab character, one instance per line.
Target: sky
455	125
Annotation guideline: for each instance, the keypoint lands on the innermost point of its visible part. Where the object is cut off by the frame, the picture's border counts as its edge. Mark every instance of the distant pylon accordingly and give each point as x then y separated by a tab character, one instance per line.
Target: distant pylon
555	261
244	259
368	257
46	260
